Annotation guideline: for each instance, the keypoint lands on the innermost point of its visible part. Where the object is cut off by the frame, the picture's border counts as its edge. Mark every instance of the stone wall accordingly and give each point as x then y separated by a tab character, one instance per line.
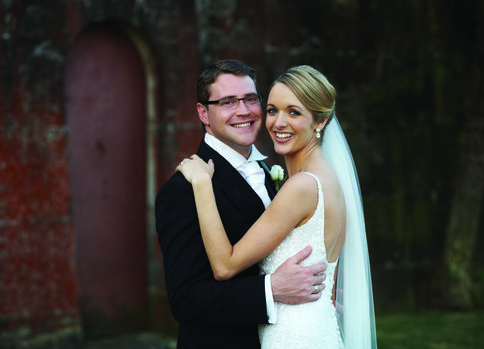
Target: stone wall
401	72
38	282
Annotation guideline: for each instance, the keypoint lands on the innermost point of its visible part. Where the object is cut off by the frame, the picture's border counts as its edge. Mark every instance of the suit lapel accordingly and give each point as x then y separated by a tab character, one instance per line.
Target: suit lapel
231	182
269	183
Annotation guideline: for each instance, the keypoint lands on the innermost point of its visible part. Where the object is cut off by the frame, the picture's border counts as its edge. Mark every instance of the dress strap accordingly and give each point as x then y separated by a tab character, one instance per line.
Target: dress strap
317	180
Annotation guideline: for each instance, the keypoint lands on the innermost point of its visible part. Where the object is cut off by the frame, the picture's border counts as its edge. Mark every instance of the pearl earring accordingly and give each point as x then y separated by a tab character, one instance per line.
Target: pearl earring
318	134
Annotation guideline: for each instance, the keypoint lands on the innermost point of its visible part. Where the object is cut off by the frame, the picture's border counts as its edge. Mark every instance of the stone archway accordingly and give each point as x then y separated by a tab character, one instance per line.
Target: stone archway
105	90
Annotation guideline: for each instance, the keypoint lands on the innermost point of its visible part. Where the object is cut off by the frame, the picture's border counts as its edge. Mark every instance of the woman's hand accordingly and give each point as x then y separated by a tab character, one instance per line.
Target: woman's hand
195	169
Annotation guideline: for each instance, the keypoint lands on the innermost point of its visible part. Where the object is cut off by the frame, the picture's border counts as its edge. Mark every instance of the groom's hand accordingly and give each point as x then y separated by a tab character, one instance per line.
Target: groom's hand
293	283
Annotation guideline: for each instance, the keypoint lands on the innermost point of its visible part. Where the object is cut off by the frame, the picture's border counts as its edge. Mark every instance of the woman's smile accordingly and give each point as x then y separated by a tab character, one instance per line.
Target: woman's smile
283	137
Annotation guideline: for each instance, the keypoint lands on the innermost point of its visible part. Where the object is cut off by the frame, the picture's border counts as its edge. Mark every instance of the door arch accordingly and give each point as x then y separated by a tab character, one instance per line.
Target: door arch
105	87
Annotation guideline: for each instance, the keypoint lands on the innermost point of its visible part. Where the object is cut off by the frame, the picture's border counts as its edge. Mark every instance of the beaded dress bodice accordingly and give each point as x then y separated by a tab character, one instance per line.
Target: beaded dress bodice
310	325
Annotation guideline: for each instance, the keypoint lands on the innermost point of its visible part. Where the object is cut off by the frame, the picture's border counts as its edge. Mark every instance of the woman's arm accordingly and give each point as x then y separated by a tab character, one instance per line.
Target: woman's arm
193	295
294	204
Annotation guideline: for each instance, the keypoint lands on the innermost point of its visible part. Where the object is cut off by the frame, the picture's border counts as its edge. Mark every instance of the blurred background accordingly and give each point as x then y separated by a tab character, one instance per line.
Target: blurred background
97	107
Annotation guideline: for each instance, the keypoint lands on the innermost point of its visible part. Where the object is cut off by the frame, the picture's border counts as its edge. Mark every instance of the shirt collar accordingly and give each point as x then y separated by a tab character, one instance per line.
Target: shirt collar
233	157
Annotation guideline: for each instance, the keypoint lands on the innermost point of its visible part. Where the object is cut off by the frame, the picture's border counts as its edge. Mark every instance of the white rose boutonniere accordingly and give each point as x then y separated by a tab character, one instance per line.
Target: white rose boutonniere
277	175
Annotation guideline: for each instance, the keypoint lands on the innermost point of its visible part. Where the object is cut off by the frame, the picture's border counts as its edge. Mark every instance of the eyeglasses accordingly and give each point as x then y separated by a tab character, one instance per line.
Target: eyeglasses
232	103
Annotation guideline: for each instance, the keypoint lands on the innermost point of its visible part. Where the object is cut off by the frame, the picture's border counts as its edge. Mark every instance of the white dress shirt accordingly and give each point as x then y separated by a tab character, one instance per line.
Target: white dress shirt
255	176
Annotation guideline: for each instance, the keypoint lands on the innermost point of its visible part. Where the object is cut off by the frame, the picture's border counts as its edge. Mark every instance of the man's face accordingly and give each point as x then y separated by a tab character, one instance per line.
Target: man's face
238	128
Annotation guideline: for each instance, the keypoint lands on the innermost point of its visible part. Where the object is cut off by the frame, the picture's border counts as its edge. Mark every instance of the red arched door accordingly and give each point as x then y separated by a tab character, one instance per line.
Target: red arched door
106	118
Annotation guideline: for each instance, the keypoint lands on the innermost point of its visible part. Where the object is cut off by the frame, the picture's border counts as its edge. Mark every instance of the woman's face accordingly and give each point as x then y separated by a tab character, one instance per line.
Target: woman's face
288	121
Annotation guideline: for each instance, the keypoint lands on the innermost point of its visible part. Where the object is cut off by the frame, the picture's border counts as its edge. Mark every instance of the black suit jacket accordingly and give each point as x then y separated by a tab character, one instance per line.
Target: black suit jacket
211	314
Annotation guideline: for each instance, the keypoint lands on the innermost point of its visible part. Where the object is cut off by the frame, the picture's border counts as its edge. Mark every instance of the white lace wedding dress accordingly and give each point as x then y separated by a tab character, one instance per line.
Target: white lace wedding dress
311	325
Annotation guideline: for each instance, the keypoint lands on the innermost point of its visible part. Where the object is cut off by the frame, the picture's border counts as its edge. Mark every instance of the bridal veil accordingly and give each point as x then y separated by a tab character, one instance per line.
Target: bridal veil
354	295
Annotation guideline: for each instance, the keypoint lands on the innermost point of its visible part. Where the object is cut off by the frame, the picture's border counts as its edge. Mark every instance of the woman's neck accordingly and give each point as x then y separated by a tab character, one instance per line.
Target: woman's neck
303	160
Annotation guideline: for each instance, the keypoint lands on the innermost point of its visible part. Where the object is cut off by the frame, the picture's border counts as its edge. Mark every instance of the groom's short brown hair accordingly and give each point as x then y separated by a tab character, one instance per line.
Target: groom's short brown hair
212	72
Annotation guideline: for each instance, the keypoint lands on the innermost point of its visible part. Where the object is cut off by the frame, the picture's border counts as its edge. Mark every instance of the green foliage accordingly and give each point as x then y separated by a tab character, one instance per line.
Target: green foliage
430	330
478	286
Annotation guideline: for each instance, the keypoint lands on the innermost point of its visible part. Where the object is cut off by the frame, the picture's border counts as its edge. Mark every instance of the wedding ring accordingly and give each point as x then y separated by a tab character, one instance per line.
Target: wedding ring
181	163
316	289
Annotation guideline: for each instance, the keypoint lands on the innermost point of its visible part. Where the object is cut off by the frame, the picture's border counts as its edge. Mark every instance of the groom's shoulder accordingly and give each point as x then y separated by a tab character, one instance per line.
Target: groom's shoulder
177	180
176	183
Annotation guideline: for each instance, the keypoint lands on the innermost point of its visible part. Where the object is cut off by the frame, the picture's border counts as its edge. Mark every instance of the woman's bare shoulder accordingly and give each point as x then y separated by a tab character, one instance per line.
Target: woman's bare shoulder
301	188
302	182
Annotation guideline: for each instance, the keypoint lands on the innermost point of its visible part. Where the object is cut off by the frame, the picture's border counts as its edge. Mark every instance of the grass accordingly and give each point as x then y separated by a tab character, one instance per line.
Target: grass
434	330
431	330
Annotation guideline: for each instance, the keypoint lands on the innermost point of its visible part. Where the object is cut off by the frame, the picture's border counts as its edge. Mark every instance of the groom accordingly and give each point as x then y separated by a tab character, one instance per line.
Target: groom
225	314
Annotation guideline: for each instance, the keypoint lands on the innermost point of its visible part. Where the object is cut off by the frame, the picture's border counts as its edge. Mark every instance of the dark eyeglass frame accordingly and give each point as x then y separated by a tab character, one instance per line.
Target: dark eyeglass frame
218	102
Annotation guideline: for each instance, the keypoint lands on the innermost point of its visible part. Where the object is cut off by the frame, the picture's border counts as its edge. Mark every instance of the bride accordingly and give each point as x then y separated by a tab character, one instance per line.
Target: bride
318	206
